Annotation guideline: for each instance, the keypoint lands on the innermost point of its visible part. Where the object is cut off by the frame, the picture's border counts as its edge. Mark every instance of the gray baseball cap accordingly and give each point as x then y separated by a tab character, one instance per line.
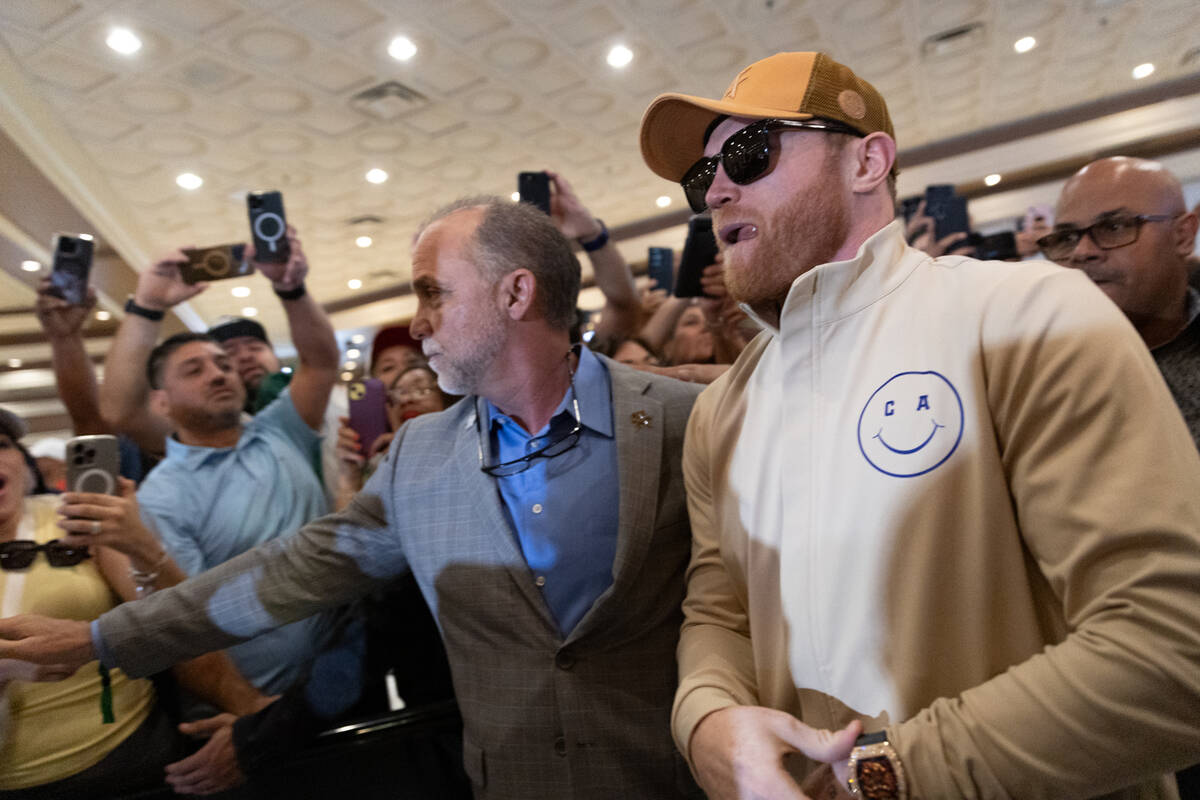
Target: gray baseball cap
11	425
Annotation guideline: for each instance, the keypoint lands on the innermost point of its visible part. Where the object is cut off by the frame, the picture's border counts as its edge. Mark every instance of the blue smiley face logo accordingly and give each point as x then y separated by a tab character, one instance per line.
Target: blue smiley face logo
911	424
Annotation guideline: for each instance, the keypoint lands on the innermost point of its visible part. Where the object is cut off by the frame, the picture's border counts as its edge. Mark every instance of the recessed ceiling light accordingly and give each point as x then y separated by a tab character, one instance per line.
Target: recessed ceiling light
1143	71
353	352
350	364
30	266
1024	44
347	376
619	56
516	197
86	236
103	315
402	48
124	41
286	370
249	311
354	283
364	241
377	176
240	291
189	181
14	363
358	338
663	201
991	180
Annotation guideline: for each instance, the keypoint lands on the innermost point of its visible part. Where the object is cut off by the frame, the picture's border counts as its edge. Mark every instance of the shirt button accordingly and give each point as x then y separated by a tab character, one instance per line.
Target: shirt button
540	580
560	746
533	444
537	508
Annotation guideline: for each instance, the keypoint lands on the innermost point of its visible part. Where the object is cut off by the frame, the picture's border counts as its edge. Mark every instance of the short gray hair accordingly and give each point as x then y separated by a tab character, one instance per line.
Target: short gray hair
515	236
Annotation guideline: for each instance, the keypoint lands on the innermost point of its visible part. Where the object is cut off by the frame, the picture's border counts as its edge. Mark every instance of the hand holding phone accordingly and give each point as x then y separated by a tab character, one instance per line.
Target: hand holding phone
93	464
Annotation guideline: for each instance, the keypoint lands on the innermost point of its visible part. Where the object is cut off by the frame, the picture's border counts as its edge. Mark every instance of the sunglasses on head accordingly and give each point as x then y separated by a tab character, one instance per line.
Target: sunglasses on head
748	155
20	553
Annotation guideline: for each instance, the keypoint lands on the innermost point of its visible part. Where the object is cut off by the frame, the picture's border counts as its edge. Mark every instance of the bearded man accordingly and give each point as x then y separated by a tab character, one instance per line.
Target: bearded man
946	501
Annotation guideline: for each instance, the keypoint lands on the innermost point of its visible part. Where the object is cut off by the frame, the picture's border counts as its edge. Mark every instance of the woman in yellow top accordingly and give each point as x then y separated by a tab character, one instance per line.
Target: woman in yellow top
55	739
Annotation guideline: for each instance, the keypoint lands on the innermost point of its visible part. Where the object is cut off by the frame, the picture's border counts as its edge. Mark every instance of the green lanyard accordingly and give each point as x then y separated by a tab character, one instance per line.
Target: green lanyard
106	705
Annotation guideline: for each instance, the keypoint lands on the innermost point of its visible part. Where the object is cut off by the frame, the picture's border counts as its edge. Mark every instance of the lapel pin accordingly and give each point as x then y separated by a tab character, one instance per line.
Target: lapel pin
640	419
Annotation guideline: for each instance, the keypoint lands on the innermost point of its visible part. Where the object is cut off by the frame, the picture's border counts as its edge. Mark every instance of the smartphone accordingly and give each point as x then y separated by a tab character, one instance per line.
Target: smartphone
72	264
660	263
1039	214
908	206
534	188
268	225
699	251
368	411
93	464
947	209
996	247
215	263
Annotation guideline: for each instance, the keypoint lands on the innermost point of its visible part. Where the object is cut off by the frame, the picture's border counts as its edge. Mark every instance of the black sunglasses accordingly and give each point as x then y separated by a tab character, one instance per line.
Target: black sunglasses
554	446
1108	234
747	155
20	553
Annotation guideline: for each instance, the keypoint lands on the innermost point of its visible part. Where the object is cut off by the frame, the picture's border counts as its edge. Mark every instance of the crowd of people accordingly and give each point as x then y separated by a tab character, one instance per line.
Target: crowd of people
870	518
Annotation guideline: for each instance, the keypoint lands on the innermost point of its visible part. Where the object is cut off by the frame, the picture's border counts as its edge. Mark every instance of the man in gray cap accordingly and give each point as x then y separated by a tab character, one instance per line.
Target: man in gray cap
944	501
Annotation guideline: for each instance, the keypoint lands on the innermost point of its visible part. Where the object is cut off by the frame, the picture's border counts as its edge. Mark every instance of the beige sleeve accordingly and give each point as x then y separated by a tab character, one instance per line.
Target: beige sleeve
1105	480
716	663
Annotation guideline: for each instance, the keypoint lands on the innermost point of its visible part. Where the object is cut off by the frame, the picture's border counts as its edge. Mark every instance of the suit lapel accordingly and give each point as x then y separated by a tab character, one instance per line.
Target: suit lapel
638	428
481	492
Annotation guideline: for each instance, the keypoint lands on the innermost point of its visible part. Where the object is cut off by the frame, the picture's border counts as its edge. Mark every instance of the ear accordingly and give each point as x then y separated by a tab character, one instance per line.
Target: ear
517	292
1185	233
158	402
874	156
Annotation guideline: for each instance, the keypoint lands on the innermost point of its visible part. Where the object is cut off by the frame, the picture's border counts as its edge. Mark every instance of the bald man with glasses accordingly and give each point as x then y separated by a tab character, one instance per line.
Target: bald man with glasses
1123	223
943	501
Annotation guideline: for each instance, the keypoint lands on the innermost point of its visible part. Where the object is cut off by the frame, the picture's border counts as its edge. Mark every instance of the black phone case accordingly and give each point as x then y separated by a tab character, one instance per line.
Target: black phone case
268	226
72	265
948	211
699	251
660	264
534	188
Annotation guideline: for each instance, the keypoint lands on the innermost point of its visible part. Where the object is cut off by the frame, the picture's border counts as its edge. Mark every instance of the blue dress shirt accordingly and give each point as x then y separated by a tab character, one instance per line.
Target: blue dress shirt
564	509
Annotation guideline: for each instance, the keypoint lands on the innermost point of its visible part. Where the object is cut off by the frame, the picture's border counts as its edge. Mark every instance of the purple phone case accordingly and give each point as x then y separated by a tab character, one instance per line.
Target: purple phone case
368	411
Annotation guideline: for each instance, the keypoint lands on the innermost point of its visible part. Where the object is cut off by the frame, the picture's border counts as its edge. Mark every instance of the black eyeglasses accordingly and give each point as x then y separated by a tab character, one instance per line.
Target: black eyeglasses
20	553
748	155
553	447
1108	234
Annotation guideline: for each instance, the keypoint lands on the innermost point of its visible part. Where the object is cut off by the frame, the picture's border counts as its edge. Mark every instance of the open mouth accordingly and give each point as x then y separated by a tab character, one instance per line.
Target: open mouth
738	232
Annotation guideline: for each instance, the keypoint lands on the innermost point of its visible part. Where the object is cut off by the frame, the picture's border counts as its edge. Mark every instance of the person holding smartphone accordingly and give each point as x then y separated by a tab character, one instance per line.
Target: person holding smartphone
79	554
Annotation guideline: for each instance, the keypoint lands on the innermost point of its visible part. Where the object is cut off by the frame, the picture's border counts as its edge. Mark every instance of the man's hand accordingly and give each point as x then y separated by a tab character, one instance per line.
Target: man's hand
214	767
62	643
291	273
571	216
739	752
60	319
689	373
110	521
161	286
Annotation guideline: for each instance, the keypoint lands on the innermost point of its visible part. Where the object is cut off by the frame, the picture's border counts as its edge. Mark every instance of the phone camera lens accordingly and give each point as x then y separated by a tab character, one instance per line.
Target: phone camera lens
78	460
91	454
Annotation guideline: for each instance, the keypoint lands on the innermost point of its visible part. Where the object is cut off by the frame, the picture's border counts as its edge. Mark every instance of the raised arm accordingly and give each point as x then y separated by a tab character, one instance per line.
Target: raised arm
124	394
311	332
74	375
622	307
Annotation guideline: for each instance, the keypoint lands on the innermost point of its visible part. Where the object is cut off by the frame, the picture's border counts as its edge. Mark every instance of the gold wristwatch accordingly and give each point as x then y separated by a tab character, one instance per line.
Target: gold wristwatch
875	769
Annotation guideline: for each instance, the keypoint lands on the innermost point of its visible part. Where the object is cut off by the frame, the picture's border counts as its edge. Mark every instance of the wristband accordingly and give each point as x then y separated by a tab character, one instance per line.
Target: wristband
601	239
148	313
291	294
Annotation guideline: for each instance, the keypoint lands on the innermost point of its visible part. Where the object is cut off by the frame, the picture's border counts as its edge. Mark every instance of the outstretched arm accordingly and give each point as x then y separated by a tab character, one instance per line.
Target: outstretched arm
74	374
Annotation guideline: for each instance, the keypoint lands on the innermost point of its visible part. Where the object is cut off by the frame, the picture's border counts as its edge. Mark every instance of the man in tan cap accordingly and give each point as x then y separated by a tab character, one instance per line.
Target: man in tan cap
944	501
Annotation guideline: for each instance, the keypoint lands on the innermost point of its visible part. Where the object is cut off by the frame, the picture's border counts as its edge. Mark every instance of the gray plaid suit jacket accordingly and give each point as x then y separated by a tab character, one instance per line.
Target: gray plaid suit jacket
584	717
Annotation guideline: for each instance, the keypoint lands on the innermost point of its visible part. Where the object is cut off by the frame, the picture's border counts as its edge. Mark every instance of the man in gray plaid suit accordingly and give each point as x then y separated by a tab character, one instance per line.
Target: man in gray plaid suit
543	517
